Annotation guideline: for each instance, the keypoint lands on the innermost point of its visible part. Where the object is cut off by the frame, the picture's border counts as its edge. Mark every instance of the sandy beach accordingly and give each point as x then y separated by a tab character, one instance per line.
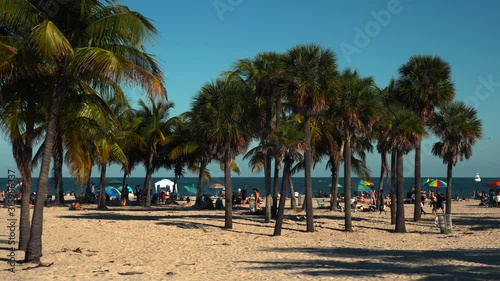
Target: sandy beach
178	243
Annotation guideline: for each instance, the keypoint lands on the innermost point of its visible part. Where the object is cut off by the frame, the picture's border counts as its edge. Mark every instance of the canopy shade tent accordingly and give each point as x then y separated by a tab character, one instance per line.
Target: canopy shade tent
165	184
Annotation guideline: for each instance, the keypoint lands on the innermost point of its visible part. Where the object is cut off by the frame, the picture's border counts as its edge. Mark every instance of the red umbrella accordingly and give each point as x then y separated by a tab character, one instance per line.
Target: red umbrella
494	183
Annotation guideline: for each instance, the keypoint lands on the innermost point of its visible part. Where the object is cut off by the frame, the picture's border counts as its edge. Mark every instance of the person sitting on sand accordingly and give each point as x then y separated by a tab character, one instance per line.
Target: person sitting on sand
188	202
76	205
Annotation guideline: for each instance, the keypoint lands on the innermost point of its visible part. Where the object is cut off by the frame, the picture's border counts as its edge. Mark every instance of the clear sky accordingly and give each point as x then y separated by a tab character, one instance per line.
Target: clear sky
200	39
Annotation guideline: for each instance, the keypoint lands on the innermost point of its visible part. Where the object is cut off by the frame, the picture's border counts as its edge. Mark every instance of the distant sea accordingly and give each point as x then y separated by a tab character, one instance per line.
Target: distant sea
462	187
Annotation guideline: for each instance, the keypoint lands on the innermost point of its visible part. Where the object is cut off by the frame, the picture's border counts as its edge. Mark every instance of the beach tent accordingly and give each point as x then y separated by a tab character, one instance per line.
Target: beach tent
112	192
163	184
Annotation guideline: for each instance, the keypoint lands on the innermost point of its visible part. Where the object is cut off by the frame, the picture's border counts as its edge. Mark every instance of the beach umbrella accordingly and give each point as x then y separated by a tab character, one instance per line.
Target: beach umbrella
494	184
113	182
338	185
360	188
424	182
129	188
190	188
364	182
113	192
216	185
436	183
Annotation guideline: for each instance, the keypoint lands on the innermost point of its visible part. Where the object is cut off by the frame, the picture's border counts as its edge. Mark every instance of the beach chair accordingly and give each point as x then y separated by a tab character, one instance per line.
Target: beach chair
321	204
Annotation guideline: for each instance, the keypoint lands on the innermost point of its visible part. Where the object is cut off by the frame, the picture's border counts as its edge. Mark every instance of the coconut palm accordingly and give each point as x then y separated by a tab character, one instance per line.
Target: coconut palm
155	128
425	82
356	112
21	120
107	151
223	113
97	43
310	71
458	127
405	130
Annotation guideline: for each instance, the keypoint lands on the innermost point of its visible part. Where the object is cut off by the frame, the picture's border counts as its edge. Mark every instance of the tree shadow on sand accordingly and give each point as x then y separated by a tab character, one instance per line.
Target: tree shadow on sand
460	264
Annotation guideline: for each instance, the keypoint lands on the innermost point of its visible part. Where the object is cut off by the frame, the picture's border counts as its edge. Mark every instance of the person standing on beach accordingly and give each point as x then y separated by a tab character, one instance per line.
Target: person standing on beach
244	195
256	195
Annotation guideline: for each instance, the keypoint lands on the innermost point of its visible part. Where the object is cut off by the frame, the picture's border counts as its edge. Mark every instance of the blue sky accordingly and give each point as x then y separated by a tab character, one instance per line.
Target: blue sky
200	39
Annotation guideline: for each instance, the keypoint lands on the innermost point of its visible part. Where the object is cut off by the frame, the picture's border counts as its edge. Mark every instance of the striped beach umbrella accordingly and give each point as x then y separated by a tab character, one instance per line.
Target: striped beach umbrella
437	184
364	182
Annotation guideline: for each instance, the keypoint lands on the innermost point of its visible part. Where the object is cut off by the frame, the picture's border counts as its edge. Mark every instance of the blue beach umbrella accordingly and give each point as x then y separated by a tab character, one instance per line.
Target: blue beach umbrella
113	192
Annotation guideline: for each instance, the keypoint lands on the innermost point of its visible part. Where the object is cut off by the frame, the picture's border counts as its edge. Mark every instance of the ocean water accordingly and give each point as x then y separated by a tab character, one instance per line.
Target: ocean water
462	187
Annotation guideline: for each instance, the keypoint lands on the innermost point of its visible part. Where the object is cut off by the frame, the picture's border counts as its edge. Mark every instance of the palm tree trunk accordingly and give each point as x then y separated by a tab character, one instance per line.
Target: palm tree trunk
270	210
383	171
275	186
293	202
347	184
124	195
149	172
228	221
281	209
276	178
23	153
58	177
393	187
88	189
417	211
335	187
400	214
24	225
34	249
102	189
57	154
449	175
203	166
307	174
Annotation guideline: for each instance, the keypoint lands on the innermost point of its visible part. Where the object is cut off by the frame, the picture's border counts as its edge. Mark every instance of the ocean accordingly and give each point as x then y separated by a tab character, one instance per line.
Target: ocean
462	187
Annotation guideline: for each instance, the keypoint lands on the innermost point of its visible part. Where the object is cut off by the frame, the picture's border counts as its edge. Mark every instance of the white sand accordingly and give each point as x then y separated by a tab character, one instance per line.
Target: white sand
166	243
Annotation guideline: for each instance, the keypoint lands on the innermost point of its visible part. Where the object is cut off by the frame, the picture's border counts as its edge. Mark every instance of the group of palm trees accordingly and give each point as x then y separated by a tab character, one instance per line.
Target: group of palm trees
61	78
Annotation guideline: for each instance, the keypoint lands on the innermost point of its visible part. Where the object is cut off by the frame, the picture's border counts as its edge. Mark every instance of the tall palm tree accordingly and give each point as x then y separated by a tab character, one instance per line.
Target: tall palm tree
155	128
310	71
89	41
264	74
425	82
21	120
357	110
406	129
458	127
223	113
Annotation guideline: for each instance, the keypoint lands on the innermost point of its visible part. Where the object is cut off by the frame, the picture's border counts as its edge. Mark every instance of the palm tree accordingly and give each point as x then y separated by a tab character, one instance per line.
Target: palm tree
288	139
107	151
310	71
89	42
356	113
406	129
459	129
425	82
223	113
155	128
264	74
20	119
